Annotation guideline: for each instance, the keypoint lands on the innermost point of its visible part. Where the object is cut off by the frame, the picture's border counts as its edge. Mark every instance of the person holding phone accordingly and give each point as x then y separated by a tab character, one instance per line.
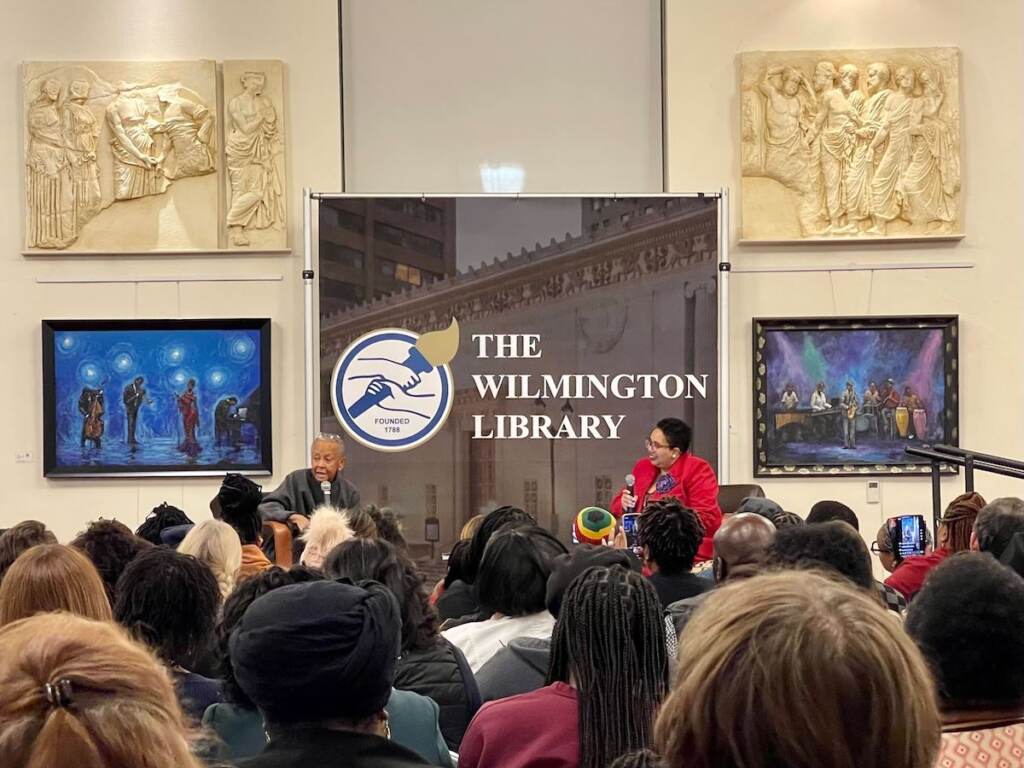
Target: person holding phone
670	470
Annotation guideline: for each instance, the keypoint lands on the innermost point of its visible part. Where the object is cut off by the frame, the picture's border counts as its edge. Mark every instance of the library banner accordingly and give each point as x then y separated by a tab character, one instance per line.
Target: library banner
479	351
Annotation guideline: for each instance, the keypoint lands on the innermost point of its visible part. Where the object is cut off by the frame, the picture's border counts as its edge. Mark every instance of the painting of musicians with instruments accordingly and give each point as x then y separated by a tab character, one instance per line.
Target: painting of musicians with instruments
851	425
173	378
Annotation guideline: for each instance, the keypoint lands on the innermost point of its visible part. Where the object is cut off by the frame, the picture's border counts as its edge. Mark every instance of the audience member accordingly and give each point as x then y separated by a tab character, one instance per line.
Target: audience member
954	535
389	527
608	676
215	543
327	529
429	664
470	527
510	586
968	620
169	601
80	692
522	665
19	538
593	525
798	670
996	525
670	535
110	545
827	511
645	758
788	520
52	577
740	547
324	699
362	524
235	720
460	598
164	519
759	505
237	504
834	547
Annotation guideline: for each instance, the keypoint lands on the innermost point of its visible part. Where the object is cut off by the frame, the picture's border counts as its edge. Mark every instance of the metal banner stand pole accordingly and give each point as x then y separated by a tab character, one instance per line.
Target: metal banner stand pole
309	318
724	267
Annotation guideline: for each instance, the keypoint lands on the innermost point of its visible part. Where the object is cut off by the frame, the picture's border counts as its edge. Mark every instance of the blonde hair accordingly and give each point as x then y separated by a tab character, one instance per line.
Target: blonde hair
327	529
216	543
471	527
797	669
77	691
53	577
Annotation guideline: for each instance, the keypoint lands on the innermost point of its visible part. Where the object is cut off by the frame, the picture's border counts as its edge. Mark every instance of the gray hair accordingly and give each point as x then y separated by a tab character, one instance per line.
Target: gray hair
329	437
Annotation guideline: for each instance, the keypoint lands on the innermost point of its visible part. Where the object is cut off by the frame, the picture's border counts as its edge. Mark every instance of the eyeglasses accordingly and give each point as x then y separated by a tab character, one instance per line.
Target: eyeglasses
651	445
875	549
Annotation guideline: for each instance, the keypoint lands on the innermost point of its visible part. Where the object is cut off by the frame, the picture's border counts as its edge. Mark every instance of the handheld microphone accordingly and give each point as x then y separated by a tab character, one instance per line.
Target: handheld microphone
630	489
326	488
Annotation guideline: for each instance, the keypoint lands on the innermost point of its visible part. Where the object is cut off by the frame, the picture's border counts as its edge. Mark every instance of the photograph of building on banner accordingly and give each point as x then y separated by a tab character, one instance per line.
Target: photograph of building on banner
486	351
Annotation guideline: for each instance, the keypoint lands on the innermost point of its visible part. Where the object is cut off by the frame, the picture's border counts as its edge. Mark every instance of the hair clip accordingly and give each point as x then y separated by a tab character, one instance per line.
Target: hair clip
59	694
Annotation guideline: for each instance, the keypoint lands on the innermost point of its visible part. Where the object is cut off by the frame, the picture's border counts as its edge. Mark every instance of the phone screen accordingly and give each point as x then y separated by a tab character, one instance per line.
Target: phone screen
907	534
629	528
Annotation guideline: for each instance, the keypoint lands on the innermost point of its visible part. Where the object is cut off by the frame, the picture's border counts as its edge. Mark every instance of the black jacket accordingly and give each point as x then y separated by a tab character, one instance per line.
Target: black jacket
321	748
458	600
442	674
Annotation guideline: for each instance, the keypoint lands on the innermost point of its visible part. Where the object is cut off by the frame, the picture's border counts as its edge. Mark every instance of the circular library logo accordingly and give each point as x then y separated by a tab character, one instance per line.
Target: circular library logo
392	389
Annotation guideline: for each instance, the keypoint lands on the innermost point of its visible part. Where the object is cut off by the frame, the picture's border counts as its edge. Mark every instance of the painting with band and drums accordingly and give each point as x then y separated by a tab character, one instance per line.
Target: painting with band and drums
848	396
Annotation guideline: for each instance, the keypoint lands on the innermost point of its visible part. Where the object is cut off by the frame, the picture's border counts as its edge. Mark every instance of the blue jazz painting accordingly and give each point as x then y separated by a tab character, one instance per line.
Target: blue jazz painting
853	396
140	400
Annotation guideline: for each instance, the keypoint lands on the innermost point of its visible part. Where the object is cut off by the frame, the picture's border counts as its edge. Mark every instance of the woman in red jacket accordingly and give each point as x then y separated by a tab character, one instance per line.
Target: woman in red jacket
671	470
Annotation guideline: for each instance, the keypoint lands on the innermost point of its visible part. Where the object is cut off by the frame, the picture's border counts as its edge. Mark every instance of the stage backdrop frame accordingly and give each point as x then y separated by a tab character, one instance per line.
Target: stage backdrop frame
770	436
186	468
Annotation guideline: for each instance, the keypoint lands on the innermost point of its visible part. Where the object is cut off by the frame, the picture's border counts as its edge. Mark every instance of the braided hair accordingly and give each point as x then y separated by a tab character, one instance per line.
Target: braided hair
672	534
239	499
958	520
610	640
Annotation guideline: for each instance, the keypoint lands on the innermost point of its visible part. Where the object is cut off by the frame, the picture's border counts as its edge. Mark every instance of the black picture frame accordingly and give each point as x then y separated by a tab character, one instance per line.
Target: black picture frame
243	441
801	442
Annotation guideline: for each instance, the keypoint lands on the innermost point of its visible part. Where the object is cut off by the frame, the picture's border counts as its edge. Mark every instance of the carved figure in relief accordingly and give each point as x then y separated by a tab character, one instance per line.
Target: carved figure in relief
81	134
138	169
189	127
50	188
252	148
862	163
833	128
932	179
893	142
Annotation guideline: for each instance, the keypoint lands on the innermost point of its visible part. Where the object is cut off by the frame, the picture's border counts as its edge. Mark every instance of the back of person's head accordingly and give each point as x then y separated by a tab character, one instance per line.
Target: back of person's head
834	547
361	523
327	529
389	527
163	516
968	619
110	545
741	545
79	692
235	607
759	505
493	521
645	758
827	510
678	433
342	646
215	543
377	560
788	520
996	524
470	527
609	641
52	577
800	670
514	572
957	523
168	601
237	504
457	561
565	568
19	538
671	535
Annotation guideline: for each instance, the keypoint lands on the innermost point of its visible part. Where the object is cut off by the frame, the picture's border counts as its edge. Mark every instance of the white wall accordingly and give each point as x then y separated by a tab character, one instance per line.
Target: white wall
702	152
304	35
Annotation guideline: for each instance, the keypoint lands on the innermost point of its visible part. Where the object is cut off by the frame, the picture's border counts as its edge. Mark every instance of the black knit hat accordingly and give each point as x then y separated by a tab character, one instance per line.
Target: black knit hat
318	651
565	568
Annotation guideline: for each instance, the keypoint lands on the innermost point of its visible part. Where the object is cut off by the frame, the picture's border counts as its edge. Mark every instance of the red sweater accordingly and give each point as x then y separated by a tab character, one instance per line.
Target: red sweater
696	487
909	576
532	729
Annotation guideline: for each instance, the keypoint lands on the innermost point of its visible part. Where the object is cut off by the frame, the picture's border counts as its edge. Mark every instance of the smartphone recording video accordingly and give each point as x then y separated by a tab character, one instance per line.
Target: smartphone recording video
907	535
629	528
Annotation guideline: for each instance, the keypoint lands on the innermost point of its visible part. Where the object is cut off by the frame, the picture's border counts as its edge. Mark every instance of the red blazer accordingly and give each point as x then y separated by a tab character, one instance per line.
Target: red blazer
696	487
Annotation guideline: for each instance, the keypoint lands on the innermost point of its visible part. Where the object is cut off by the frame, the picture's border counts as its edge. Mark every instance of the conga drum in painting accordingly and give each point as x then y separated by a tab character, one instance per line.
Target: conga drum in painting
920	423
903	421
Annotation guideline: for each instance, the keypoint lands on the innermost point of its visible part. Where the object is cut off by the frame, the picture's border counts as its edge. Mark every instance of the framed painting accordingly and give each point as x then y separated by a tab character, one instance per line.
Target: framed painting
156	397
846	397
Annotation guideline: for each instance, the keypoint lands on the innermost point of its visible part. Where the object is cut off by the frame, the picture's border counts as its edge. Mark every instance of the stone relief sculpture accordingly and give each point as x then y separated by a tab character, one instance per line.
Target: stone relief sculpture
253	150
138	163
828	154
81	135
49	184
189	127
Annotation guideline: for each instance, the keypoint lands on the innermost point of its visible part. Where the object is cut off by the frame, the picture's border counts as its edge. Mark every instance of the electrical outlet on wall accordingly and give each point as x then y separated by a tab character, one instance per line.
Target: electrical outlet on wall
23	457
874	492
